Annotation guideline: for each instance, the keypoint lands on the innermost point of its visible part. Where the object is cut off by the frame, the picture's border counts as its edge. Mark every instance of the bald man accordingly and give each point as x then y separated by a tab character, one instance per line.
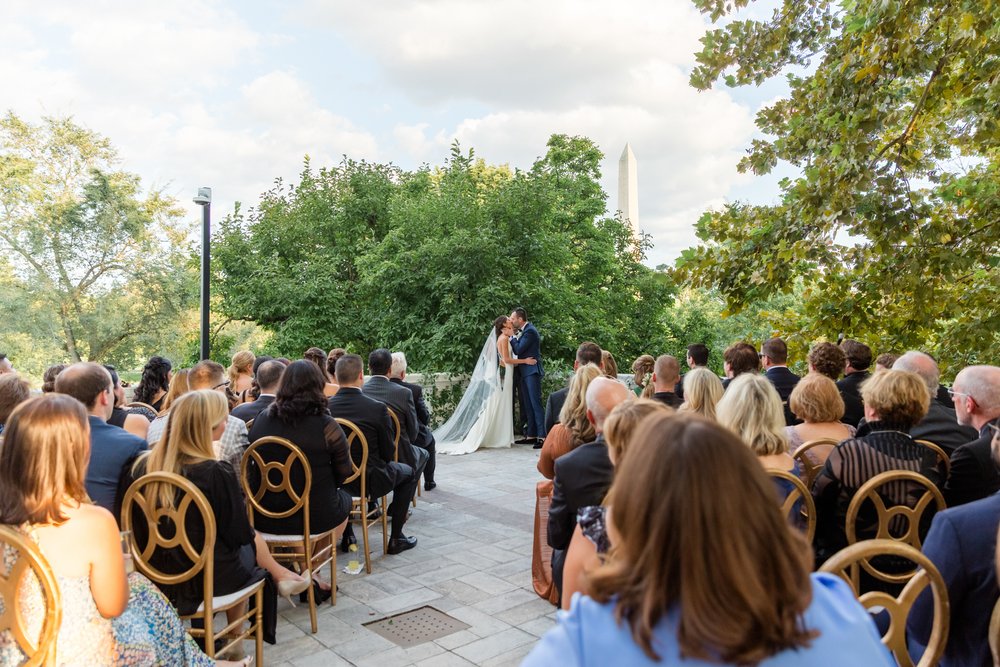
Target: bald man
666	375
976	395
940	425
583	476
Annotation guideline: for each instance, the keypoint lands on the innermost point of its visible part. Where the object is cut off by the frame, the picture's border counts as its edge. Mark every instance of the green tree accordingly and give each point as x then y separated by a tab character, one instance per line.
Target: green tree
892	121
96	267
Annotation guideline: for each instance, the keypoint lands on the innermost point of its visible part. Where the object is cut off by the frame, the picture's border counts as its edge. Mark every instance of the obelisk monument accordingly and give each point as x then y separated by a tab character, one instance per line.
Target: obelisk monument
628	187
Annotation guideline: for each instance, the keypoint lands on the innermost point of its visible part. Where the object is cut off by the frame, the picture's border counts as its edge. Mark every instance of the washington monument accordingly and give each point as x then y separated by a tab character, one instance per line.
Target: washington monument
628	187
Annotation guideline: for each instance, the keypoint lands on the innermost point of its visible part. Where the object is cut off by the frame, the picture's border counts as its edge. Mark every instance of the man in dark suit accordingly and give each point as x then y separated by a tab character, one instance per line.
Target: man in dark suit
974	474
583	476
697	355
962	545
857	360
774	357
528	345
112	450
399	400
829	360
383	474
666	375
940	425
268	377
425	439
587	353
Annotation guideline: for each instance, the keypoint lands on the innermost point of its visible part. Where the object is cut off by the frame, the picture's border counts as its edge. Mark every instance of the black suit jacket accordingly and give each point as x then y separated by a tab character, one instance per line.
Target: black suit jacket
554	406
424	436
583	478
668	398
401	401
973	473
941	427
784	381
854	409
372	418
248	411
851	383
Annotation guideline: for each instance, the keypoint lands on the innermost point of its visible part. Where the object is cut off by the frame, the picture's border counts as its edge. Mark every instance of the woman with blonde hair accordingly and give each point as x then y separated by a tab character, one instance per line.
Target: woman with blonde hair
703	569
108	617
642	368
573	428
178	387
187	449
590	544
240	373
702	392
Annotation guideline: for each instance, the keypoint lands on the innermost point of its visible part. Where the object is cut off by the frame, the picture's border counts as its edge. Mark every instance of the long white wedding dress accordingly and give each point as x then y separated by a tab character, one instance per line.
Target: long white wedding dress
484	417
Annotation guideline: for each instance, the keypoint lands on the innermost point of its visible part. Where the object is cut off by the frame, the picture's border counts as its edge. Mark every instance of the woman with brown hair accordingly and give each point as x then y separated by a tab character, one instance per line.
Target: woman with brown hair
610	365
573	428
704	570
240	373
319	357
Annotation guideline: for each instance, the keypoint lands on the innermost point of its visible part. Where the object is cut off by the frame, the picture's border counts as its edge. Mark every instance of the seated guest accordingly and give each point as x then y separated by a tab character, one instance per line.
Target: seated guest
178	387
399	400
774	358
666	375
817	402
14	390
318	357
154	383
746	598
704	391
858	357
697	357
895	401
609	365
739	358
829	360
240	373
642	368
331	361
134	421
383	474
49	377
976	396
584	475
962	545
112	449
267	378
885	361
209	374
587	353
425	439
573	428
590	544
254	392
108	617
940	425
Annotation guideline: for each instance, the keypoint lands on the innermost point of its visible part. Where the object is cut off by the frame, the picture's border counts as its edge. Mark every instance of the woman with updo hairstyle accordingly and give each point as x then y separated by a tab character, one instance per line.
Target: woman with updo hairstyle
154	383
642	368
702	392
610	365
573	428
590	543
240	373
895	401
703	569
318	357
49	377
331	361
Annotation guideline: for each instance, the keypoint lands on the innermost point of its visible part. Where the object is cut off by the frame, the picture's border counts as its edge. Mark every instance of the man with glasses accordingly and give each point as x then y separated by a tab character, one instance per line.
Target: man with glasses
976	396
939	425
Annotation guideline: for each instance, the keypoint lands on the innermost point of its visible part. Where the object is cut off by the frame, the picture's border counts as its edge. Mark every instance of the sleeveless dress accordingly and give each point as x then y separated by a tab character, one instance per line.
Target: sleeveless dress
148	632
495	426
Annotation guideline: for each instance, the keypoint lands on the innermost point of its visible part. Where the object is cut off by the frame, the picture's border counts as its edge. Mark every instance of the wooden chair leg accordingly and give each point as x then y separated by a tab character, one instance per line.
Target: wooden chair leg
259	634
364	538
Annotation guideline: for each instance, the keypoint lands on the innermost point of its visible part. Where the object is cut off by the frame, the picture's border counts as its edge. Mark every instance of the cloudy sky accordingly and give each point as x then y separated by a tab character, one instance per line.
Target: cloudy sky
233	94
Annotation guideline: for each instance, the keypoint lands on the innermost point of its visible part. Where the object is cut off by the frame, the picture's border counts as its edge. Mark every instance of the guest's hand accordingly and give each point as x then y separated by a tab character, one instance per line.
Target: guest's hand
531	361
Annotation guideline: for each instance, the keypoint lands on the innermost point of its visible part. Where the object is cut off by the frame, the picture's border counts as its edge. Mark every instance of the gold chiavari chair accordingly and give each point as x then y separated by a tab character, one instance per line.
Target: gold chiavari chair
26	559
395	441
944	461
799	492
810	466
359	504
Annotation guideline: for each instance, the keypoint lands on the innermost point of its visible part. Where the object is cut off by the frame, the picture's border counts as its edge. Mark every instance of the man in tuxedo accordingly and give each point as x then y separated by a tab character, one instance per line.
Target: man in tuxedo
940	425
583	476
587	353
383	473
527	344
774	357
399	400
858	358
425	439
829	360
697	355
112	450
267	378
666	375
974	474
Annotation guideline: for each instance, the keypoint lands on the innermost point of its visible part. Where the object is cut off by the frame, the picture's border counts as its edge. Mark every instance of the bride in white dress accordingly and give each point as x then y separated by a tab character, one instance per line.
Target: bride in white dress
484	417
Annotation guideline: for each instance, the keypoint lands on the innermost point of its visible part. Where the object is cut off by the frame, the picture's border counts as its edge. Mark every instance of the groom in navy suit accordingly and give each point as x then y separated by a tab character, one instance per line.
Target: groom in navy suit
527	345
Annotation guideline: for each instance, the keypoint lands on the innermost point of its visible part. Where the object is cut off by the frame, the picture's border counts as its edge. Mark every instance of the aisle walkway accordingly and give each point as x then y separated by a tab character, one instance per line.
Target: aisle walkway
473	561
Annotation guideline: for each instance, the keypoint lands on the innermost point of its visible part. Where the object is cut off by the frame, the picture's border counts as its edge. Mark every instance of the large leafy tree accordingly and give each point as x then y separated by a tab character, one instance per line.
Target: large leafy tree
95	268
893	123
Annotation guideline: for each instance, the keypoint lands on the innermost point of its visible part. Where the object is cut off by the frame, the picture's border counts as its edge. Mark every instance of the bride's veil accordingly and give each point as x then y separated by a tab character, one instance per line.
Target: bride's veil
485	380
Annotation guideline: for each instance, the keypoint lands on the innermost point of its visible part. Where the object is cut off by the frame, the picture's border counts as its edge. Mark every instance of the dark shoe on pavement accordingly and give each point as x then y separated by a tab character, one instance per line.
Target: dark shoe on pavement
346	541
524	441
428	486
538	443
398	545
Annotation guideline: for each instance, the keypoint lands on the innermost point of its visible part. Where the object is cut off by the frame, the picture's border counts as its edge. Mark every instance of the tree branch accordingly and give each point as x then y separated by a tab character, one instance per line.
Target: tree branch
901	139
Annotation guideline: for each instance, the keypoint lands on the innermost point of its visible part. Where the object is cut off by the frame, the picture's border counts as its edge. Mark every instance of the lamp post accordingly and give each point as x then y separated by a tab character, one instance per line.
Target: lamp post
204	199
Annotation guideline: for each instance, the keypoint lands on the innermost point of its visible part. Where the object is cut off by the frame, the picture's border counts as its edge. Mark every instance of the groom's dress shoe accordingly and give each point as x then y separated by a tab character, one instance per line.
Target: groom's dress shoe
400	544
429	485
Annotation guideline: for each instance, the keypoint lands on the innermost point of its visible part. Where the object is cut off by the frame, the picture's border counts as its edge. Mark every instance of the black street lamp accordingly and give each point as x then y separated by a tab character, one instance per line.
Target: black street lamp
204	199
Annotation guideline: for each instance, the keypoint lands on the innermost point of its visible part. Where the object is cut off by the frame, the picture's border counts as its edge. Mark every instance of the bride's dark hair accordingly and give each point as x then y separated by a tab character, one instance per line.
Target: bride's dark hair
498	324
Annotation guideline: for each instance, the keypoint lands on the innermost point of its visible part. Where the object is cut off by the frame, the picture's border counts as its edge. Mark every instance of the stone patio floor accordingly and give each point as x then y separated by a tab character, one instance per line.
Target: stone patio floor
472	561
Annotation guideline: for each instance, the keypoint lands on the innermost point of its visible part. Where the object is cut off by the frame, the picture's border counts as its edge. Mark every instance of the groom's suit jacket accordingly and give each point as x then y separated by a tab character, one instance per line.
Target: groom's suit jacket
528	345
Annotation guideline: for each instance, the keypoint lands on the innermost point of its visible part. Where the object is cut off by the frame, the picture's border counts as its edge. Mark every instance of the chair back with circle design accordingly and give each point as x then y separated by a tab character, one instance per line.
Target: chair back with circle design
944	461
899	520
289	455
21	557
397	432
354	434
798	493
898	608
811	467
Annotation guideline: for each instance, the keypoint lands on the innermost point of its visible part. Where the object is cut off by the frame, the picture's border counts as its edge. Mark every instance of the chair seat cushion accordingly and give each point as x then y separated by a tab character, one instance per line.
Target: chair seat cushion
271	537
222	602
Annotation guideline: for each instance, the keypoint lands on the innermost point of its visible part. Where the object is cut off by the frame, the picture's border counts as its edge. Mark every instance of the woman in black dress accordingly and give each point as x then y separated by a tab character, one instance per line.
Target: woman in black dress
299	414
154	383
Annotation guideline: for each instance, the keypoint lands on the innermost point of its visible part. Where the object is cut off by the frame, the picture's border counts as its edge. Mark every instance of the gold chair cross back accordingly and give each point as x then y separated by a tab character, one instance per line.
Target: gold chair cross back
300	500
944	461
359	503
29	558
811	469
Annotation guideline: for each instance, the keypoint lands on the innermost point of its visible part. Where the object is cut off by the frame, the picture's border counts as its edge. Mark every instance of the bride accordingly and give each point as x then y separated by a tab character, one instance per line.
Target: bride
484	417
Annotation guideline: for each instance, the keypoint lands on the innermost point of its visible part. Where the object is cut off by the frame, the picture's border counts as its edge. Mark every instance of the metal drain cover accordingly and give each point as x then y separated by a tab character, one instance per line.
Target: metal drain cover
416	626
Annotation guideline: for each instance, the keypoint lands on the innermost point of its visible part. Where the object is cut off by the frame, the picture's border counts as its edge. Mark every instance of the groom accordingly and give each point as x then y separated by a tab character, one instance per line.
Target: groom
527	345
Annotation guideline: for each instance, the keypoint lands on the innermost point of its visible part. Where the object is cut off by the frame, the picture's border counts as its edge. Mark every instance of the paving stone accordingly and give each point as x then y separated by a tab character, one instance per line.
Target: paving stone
494	645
